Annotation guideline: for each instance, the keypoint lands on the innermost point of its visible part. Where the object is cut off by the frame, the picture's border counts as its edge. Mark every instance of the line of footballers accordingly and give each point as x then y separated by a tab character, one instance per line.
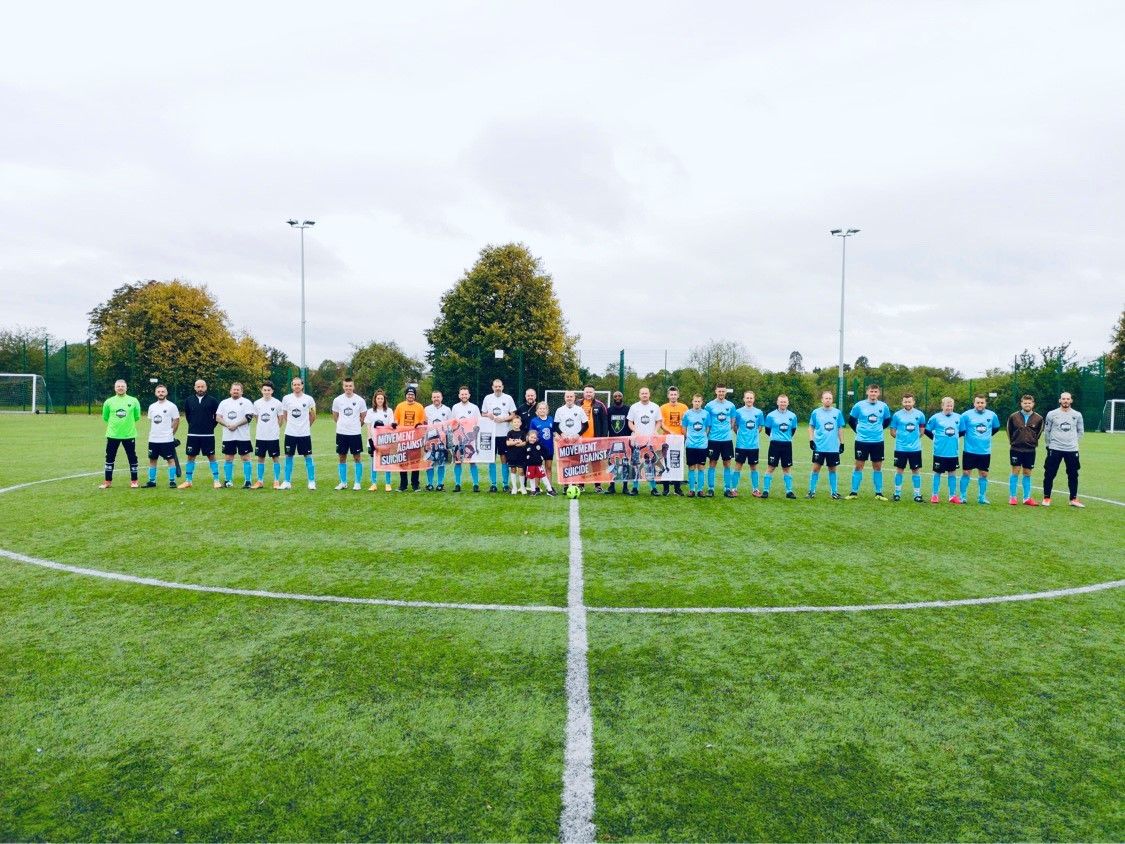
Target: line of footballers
718	432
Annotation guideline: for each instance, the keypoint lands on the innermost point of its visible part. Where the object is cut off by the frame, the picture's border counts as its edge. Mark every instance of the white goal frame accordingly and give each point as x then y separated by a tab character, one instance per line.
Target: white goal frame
39	394
1113	416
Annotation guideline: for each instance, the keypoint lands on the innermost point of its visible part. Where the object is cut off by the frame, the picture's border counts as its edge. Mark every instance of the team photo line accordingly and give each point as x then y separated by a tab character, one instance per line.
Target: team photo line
598	444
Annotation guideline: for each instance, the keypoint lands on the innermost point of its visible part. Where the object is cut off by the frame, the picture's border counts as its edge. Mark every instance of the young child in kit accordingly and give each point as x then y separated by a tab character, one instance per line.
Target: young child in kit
517	455
534	461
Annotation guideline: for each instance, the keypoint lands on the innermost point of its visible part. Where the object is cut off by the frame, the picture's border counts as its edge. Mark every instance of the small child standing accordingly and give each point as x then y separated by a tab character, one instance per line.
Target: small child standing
535	457
517	455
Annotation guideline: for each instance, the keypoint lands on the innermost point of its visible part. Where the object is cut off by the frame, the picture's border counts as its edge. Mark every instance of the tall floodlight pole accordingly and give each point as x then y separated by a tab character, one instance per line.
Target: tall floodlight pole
843	234
302	226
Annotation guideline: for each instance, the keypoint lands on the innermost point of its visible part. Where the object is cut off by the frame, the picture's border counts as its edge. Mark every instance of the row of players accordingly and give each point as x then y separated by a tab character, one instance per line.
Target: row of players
715	432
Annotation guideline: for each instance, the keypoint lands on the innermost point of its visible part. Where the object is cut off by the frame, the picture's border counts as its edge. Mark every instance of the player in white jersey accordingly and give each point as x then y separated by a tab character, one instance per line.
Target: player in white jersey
379	415
570	419
267	435
348	409
464	409
234	415
437	442
164	419
499	407
645	420
300	414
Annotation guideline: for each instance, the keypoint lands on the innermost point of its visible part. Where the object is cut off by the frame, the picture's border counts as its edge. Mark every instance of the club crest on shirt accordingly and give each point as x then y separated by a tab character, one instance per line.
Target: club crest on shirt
950	431
830	426
157	419
872	418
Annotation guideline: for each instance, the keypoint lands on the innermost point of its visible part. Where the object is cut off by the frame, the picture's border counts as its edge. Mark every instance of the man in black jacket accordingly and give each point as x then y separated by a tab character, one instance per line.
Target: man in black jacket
199	410
617	423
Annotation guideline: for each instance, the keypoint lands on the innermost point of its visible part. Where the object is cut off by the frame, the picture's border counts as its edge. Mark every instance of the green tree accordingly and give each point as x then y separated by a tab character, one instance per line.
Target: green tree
1115	362
505	301
718	361
384	365
173	331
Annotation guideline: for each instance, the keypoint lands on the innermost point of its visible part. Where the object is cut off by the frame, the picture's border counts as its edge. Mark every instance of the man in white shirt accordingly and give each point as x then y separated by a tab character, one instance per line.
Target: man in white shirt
645	421
464	409
437	442
234	415
570	418
348	409
164	419
299	411
267	441
498	407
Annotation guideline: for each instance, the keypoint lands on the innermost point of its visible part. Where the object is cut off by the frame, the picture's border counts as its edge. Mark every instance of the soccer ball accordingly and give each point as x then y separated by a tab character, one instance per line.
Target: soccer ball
573	491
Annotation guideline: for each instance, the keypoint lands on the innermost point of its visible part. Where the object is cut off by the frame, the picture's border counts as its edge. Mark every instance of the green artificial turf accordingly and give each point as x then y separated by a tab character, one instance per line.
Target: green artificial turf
129	712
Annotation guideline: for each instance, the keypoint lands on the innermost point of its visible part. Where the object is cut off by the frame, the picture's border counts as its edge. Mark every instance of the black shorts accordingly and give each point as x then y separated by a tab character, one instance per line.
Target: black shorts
158	450
349	444
869	451
831	459
980	462
1023	459
232	447
200	444
746	455
944	464
268	448
720	449
502	445
780	454
908	458
696	456
298	445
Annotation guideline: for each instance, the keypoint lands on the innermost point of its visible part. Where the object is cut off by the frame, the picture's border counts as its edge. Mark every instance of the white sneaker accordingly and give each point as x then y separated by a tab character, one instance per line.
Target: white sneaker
338	486
286	485
357	486
312	485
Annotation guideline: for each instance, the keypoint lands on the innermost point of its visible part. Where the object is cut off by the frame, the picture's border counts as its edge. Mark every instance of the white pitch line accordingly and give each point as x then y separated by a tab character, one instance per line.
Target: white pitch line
576	823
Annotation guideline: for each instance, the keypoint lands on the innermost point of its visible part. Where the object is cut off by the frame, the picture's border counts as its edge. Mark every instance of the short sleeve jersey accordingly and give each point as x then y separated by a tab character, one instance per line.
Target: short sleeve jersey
544	428
908	426
410	414
978	427
571	420
240	410
748	422
465	410
120	413
161	415
438	414
672	414
946	428
781	424
644	416
378	419
350	409
268	429
498	405
826	424
721	413
618	420
297	412
695	428
869	417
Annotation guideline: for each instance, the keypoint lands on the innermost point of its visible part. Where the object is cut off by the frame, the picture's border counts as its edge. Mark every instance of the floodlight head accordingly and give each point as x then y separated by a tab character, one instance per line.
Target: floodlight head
291	222
309	223
835	231
853	231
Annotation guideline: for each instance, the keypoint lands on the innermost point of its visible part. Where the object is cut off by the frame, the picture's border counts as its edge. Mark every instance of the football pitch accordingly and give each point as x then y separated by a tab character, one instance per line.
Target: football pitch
292	697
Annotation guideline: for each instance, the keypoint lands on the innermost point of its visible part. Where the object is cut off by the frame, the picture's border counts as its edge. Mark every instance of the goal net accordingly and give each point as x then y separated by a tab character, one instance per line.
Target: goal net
22	392
1113	416
557	398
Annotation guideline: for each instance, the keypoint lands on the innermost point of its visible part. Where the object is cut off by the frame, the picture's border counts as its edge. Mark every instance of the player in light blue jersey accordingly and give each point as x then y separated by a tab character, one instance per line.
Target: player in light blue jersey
944	429
781	424
696	421
720	443
748	423
826	439
979	425
906	430
868	419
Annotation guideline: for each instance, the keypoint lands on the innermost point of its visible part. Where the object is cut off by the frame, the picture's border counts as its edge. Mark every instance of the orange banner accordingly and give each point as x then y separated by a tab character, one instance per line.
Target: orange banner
428	446
603	460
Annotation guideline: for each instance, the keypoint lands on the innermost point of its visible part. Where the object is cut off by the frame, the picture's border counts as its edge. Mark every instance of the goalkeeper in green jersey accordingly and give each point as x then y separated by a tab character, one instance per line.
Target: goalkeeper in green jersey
120	413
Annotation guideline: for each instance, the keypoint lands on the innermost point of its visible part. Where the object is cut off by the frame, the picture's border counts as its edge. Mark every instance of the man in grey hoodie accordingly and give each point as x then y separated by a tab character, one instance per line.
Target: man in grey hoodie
1063	428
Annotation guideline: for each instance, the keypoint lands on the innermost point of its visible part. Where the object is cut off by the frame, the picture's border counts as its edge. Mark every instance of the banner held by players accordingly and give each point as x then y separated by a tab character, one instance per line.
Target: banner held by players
431	446
604	460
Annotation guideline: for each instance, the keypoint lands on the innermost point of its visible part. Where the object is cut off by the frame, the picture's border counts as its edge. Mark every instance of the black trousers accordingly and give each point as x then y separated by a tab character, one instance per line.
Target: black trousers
402	480
111	446
1051	468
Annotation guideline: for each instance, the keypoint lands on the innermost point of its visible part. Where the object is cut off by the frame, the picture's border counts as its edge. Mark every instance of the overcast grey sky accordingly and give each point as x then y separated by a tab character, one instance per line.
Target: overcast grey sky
676	167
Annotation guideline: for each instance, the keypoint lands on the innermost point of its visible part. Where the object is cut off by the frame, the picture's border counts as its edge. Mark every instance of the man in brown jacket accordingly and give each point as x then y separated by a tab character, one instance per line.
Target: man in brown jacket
1025	426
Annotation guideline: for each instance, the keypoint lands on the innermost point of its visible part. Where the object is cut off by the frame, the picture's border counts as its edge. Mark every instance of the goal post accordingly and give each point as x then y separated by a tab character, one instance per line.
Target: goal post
1113	416
23	392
